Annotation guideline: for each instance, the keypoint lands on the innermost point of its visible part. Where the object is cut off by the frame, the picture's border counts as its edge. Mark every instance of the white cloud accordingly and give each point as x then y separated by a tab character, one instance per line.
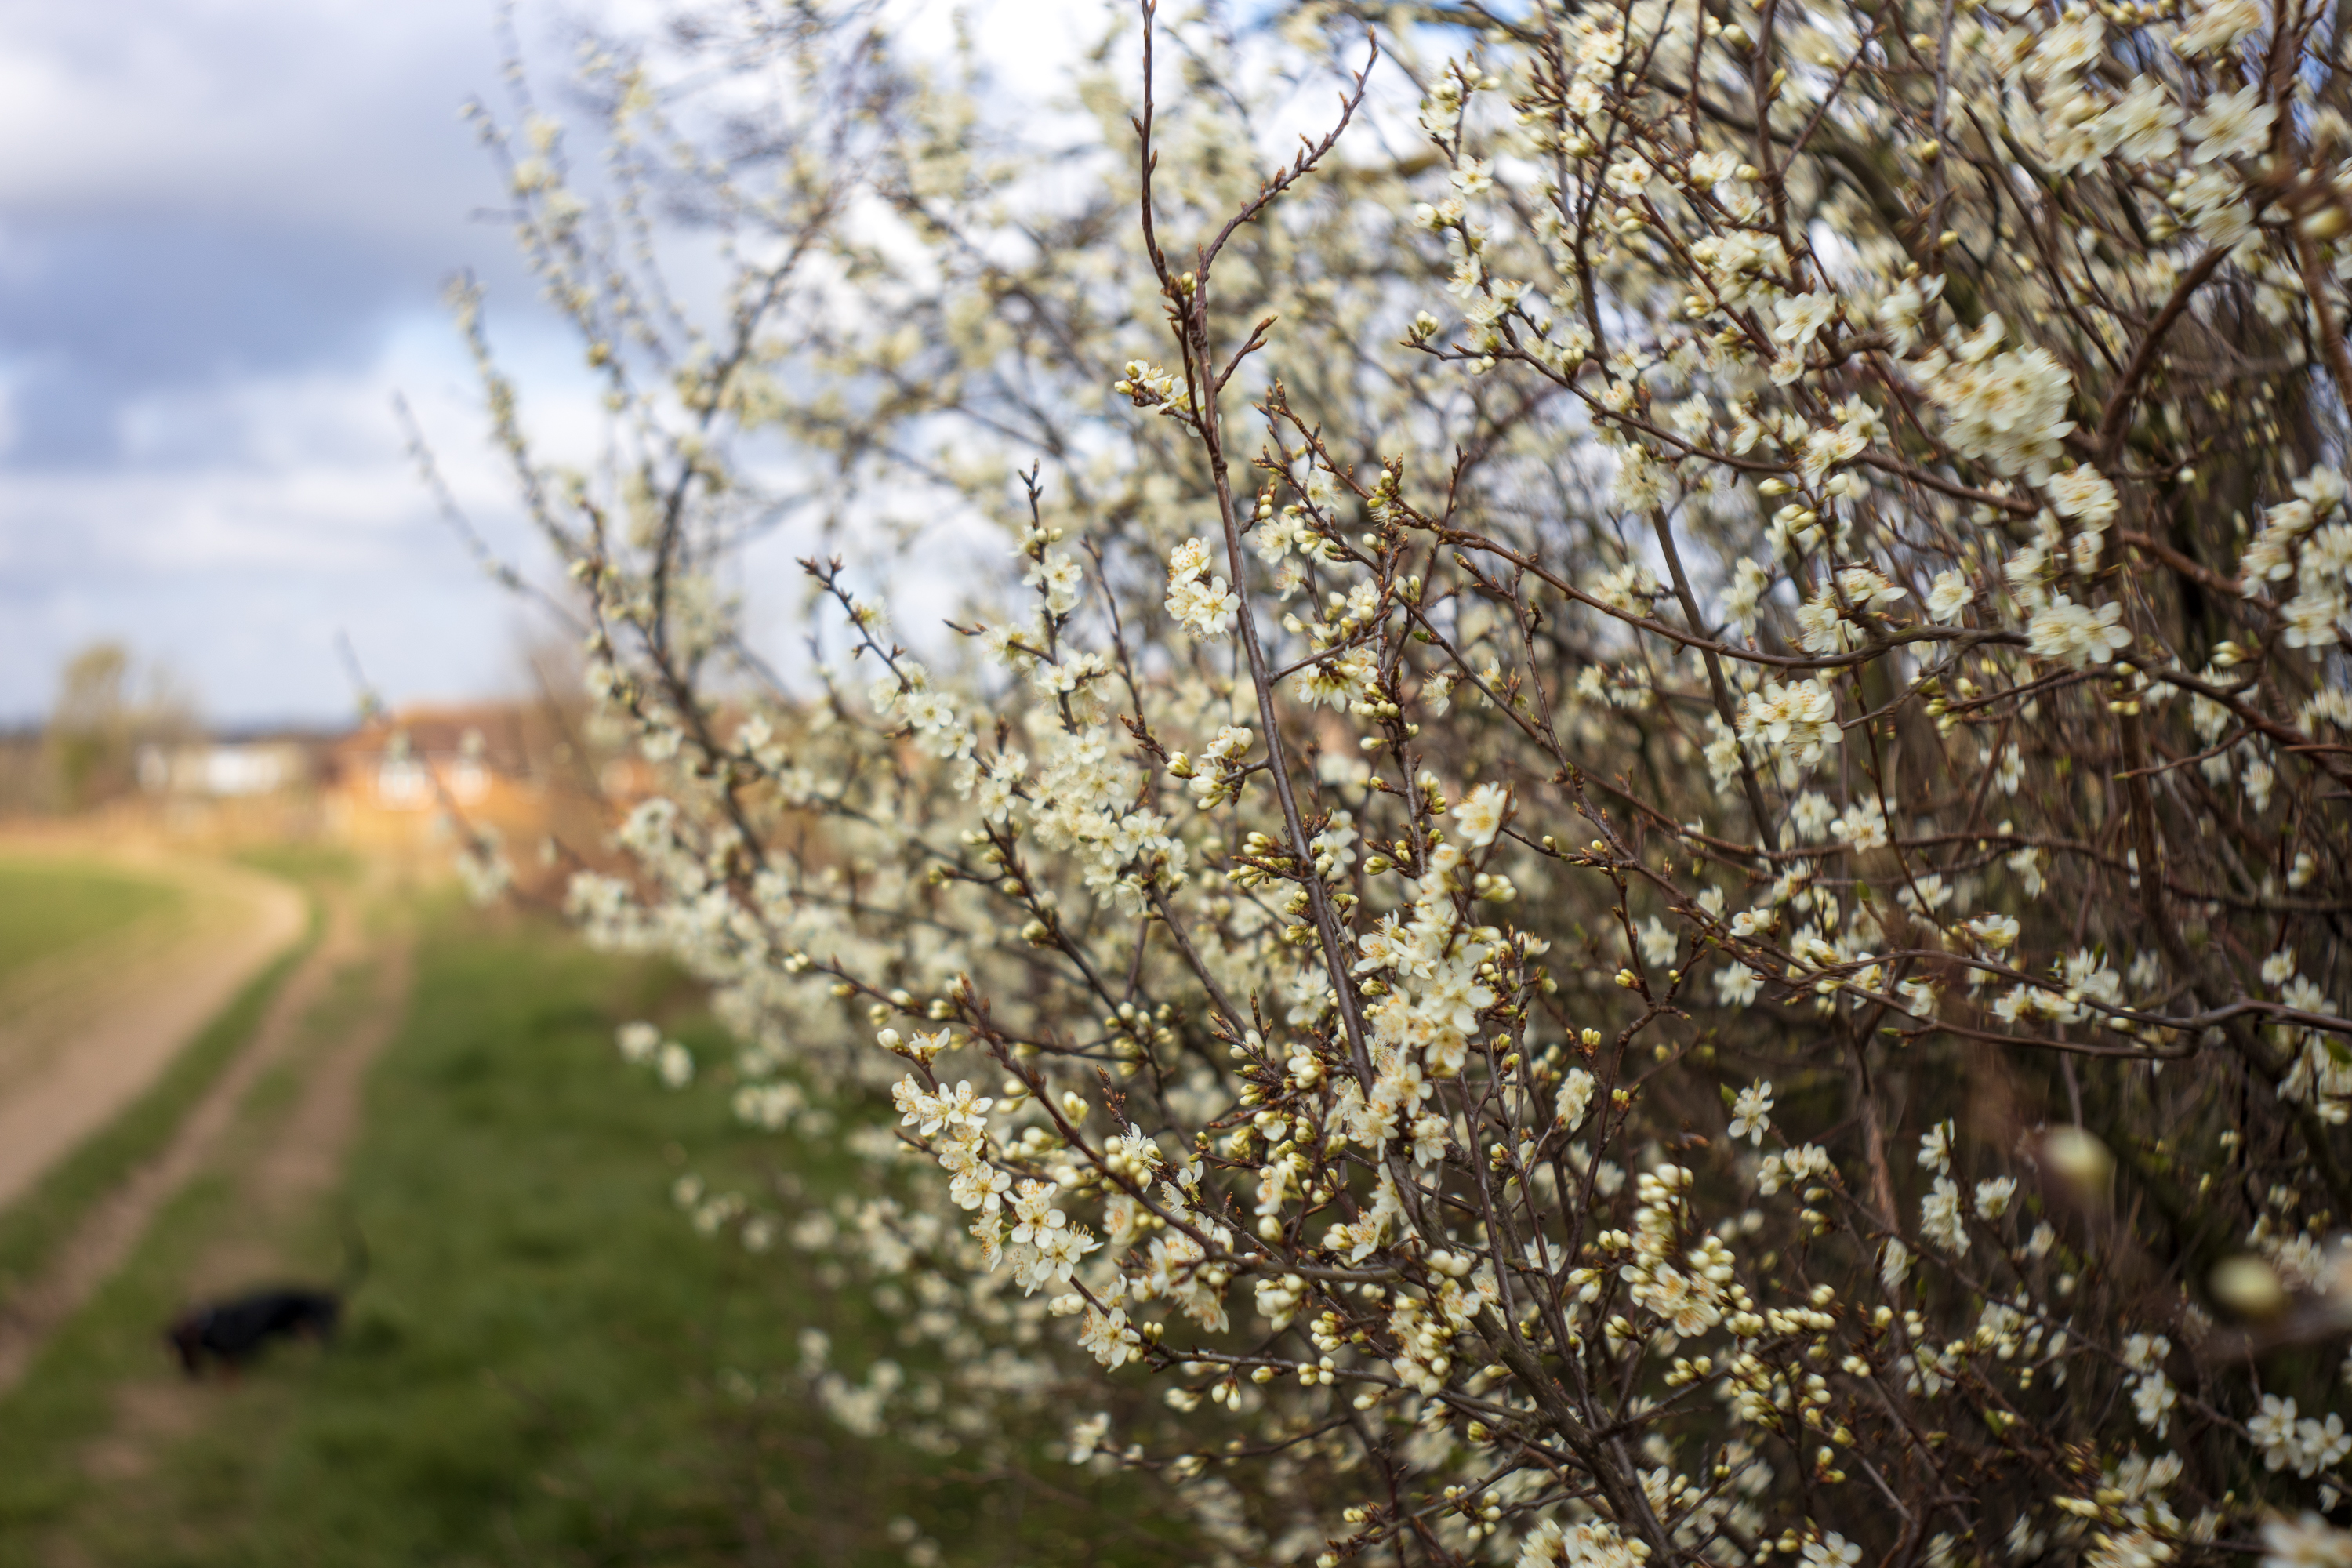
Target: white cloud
222	226
300	110
299	517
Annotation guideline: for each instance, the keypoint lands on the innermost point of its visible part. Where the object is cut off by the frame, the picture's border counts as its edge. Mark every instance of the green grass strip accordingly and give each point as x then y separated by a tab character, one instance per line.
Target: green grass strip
33	1228
50	907
545	1363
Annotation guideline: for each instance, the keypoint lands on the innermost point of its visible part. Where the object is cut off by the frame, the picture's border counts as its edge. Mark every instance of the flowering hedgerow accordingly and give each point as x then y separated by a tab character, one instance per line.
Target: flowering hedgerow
1644	859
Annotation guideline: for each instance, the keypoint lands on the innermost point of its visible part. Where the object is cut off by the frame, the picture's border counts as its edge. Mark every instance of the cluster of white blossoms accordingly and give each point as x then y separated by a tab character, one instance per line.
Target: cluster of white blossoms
2078	634
2007	407
2307	539
1799	719
1690	602
1200	600
2309	1446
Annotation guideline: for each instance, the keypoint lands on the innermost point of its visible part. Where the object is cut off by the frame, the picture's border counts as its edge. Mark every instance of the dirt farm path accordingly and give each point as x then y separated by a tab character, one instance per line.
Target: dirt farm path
83	1033
324	1023
282	1172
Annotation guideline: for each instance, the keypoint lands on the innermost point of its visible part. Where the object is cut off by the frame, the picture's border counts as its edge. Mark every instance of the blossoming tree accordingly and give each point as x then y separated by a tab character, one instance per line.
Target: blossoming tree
1644	859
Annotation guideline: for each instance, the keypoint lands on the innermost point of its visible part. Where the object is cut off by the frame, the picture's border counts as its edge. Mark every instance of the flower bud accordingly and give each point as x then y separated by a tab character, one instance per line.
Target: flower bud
2079	1160
2247	1286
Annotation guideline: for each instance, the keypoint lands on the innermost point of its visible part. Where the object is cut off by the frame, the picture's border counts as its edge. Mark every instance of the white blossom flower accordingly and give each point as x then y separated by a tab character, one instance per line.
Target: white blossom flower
2307	1542
1737	984
1833	1551
2064	49
2312	617
1996	932
1800	717
2320	1445
2217	25
1430	1136
2153	1399
2083	494
1821	626
1204	607
1940	1217
1926	892
1904	313
1481	814
2006	408
1575	1098
1803	316
2008	776
1107	1337
1862	825
1812	814
1594	1543
1752	1113
1992	1196
2231	125
1087	1435
1949	596
1866	589
2272	1430
1826	450
2144	124
2078	634
638	1042
1744	593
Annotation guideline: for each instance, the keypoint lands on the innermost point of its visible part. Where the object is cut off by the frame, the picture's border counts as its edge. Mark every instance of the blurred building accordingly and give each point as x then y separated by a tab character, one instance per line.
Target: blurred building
231	787
226	769
414	782
408	770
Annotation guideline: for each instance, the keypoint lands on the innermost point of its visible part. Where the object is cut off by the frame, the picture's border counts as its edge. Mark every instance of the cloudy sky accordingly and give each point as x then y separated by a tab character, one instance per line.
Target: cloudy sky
225	226
222	229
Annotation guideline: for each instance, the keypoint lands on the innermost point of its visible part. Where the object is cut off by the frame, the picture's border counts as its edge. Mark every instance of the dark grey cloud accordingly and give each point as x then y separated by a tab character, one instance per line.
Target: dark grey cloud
95	314
223	225
201	190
